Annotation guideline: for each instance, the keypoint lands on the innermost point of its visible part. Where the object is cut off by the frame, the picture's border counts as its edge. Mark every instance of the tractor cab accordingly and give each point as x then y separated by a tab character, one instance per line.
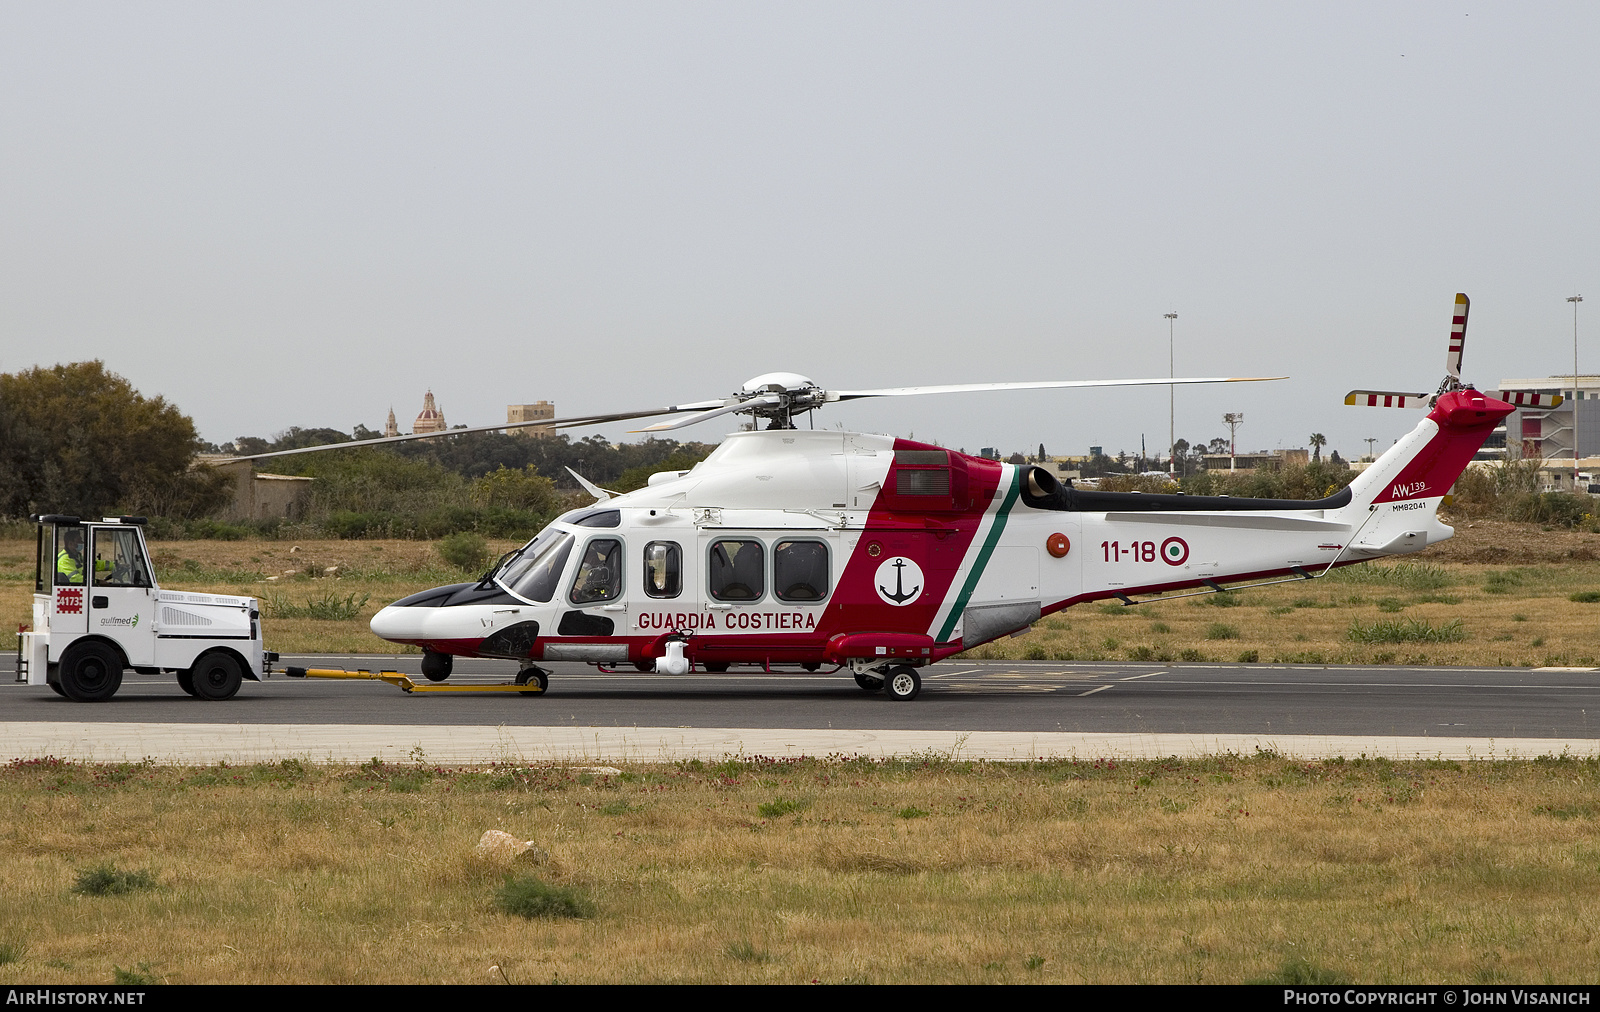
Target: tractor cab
98	612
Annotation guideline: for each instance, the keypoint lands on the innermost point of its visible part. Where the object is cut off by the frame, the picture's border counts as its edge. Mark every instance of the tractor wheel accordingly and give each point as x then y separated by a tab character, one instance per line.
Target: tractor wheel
216	675
186	681
902	683
90	672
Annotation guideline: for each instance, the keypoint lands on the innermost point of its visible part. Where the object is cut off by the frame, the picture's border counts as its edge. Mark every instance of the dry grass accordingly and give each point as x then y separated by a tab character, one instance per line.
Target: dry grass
1390	612
1220	870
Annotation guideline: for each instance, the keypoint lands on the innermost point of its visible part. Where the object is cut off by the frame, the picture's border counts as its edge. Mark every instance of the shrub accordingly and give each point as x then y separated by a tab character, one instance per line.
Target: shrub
1221	631
465	550
106	880
1407	631
530	897
779	807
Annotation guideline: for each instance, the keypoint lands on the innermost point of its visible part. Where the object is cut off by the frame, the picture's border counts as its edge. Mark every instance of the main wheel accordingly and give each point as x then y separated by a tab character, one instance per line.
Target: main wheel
716	666
872	683
90	672
436	667
216	675
534	676
186	681
902	683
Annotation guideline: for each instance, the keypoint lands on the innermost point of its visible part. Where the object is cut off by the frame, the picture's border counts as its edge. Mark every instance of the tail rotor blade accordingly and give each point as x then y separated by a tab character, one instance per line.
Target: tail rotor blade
1385	398
1458	337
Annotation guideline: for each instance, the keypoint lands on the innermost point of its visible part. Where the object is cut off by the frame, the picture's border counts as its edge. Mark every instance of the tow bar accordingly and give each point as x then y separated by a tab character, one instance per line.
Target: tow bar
403	682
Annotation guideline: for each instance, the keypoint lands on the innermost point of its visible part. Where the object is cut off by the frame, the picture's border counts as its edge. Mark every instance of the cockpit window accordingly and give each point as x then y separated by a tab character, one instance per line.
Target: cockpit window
534	574
599	574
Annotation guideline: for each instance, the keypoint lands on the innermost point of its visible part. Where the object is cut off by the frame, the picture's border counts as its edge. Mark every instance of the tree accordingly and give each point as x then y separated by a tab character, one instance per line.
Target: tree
1318	441
78	439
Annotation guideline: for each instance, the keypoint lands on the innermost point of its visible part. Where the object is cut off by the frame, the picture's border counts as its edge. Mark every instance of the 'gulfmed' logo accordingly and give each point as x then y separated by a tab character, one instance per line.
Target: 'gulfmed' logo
1403	491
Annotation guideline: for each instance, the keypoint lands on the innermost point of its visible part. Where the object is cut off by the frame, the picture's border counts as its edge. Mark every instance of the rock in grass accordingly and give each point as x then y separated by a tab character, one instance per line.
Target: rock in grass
503	848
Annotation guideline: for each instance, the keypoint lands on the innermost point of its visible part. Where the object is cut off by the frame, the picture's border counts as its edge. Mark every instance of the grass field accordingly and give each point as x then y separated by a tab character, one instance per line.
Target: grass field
1230	869
1497	594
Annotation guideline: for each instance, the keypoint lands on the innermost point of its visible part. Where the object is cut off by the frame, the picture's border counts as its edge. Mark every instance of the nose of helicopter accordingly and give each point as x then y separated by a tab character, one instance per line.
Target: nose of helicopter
398	622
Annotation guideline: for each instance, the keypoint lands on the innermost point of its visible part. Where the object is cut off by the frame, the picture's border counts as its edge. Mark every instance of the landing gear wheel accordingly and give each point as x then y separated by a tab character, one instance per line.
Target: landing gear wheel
90	672
716	666
216	676
436	667
186	681
534	676
811	665
872	683
902	683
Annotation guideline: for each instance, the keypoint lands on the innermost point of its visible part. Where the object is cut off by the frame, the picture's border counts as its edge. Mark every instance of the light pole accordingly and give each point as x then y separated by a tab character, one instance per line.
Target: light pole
1575	393
1369	443
1172	414
1232	420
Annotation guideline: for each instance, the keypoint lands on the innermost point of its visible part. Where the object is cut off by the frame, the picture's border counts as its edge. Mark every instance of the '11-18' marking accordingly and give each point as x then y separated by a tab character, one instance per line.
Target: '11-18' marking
1141	551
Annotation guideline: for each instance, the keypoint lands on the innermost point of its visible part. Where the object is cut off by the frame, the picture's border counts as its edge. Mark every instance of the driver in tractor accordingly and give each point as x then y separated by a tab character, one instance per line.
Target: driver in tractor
69	560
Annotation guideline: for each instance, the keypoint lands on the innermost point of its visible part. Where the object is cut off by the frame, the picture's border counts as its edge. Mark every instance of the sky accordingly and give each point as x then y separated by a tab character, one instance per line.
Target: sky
278	214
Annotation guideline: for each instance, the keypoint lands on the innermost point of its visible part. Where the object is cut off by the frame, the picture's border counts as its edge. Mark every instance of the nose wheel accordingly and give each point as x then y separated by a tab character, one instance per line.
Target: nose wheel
534	675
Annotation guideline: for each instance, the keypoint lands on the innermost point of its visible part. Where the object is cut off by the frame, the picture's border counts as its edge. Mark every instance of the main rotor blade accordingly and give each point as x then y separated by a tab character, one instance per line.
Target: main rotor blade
765	400
961	388
552	423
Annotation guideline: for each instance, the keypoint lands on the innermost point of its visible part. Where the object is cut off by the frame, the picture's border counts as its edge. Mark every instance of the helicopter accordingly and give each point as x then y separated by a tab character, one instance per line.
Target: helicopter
802	548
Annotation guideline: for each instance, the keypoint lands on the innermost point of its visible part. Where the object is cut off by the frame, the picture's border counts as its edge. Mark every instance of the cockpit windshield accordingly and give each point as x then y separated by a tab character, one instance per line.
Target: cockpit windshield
533	573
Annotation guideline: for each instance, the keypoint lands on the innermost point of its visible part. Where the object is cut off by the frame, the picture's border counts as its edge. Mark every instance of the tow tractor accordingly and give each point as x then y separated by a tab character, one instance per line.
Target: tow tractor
97	612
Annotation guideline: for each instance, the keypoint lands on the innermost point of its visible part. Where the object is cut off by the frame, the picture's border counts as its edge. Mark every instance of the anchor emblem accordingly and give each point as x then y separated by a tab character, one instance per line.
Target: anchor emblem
905	575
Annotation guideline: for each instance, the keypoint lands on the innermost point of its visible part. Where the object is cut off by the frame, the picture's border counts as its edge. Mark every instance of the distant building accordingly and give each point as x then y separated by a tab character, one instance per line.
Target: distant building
1548	432
538	411
431	419
259	496
391	427
1264	460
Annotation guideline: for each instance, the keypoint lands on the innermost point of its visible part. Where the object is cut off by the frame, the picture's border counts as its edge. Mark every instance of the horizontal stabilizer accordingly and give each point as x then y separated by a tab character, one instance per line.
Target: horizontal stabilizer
1529	399
1385	399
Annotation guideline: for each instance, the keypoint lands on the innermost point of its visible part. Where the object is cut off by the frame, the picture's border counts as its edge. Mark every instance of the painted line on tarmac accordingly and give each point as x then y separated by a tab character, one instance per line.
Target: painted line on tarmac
243	743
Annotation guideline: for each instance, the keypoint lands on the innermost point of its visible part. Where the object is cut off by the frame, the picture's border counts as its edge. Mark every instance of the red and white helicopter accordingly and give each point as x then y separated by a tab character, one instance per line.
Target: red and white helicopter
789	547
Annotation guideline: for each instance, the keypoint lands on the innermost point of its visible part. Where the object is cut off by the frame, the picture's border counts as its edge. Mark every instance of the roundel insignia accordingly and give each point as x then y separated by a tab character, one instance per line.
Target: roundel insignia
1174	551
899	581
1058	545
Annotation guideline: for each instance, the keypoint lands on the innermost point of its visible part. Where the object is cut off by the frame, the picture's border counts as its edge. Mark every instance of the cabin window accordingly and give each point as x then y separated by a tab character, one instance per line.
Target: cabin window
800	571
599	574
663	569
738	570
118	562
533	576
